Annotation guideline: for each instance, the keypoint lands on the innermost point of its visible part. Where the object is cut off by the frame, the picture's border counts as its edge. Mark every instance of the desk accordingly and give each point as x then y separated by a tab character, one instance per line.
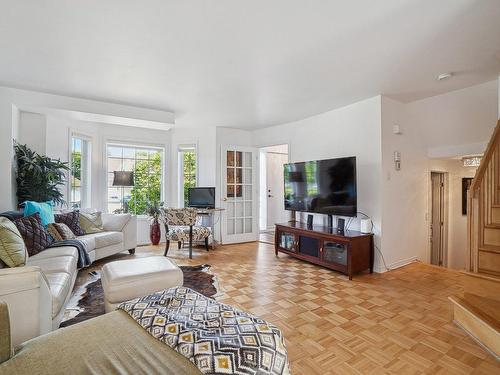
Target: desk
210	217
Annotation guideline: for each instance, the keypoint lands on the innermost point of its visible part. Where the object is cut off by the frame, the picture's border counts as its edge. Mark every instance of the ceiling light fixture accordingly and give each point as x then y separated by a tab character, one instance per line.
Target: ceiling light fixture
471	161
444	76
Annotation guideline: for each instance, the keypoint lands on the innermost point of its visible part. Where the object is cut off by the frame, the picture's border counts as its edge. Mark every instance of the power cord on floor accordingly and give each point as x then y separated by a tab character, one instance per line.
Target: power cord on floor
374	229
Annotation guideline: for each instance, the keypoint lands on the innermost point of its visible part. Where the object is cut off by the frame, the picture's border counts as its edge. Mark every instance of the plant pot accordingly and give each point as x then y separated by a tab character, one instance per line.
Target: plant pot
155	232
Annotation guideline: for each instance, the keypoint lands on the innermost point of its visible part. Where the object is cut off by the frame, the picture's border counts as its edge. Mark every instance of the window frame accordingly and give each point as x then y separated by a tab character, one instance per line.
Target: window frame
181	149
85	189
132	144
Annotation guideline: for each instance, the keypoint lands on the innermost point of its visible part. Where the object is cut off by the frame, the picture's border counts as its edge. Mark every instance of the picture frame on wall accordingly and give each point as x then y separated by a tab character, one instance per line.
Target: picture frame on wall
466	181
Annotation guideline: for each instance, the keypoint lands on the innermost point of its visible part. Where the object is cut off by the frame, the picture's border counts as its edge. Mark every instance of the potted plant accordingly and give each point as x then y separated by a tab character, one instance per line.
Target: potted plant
153	212
38	177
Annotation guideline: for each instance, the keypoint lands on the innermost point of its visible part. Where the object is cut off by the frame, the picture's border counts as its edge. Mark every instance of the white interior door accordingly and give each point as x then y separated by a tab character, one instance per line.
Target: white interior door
275	189
239	194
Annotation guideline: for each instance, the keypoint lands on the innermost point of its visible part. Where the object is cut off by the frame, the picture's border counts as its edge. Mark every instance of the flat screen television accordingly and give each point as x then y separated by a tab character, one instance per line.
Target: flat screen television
201	197
322	186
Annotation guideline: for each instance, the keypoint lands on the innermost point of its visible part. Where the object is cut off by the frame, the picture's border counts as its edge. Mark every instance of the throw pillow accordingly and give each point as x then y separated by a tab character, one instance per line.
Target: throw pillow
91	222
12	248
35	235
51	228
44	209
72	220
60	232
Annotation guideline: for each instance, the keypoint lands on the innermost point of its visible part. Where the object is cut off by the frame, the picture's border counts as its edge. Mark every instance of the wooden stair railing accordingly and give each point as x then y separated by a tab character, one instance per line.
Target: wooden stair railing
483	212
477	311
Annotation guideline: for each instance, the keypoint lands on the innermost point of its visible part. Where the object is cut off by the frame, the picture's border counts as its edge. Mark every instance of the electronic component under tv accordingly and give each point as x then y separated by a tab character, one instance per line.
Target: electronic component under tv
322	186
201	197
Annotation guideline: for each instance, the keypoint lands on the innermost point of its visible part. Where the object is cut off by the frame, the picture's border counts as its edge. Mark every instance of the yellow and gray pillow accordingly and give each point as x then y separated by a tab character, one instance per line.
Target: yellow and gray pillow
91	222
60	232
12	247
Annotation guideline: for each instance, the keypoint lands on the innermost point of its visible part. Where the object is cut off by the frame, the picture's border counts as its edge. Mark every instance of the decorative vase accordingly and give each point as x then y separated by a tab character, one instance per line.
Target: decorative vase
155	232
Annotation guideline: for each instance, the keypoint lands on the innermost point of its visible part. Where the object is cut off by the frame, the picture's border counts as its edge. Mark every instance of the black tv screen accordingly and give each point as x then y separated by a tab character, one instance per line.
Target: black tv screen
322	186
203	197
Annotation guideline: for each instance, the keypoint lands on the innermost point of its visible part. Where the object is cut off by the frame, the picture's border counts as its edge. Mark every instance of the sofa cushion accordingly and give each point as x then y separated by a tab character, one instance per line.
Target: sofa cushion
72	220
53	252
55	265
88	241
59	284
35	235
12	248
104	239
91	222
115	222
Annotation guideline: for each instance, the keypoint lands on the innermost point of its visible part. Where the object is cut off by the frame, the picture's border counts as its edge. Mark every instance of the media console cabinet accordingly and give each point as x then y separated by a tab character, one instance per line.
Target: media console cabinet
350	252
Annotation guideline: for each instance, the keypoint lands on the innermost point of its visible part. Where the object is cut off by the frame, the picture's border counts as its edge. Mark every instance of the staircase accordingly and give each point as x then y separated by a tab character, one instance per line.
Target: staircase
477	311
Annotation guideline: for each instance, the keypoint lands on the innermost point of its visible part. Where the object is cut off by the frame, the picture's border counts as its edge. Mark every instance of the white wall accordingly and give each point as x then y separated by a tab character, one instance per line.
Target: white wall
457	223
204	138
459	122
404	194
354	130
11	100
57	145
32	130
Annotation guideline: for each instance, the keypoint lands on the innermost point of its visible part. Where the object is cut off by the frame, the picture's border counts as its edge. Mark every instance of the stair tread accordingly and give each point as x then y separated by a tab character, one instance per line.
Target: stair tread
493	226
482	308
480	275
489	248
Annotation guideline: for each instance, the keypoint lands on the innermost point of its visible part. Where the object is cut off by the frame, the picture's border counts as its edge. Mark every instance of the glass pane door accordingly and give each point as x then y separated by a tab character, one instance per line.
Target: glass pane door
239	195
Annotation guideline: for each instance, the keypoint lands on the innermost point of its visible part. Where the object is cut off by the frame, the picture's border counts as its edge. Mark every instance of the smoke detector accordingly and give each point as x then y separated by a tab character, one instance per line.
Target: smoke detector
444	76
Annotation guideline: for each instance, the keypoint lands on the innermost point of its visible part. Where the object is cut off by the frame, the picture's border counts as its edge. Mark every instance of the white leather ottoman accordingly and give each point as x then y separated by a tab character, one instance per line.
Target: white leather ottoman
124	280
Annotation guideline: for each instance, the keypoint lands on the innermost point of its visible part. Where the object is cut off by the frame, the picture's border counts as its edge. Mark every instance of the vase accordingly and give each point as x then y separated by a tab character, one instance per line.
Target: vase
155	232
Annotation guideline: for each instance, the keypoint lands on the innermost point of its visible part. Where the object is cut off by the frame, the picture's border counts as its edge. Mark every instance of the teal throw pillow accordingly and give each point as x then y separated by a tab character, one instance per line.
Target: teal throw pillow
43	209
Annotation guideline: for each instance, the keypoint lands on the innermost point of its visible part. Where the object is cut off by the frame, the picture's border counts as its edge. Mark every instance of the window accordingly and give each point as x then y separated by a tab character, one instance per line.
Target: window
146	163
79	196
187	172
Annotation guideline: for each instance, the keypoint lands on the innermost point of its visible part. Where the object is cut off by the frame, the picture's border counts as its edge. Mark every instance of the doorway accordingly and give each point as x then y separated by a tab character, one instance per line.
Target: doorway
239	194
439	219
272	209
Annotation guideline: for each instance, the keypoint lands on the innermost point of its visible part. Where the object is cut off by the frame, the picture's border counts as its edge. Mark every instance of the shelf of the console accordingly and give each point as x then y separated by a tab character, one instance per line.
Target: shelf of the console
320	229
335	266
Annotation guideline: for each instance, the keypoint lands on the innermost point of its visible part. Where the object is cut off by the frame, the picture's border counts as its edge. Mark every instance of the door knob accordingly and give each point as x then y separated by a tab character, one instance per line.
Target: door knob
225	199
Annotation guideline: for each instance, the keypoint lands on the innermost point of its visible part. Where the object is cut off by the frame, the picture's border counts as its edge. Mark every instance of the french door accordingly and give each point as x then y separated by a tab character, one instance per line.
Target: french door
239	194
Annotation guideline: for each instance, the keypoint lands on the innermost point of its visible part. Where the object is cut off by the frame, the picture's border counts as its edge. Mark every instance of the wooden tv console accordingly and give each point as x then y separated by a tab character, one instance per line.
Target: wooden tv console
350	252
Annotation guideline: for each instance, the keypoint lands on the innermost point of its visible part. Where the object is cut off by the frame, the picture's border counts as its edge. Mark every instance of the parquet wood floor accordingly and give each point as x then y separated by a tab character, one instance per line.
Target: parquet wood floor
399	322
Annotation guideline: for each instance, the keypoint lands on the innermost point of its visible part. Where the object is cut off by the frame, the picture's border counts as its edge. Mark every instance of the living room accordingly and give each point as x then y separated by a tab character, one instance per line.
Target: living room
200	114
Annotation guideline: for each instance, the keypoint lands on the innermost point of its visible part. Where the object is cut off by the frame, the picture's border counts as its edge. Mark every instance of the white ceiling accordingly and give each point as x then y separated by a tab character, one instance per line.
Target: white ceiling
247	64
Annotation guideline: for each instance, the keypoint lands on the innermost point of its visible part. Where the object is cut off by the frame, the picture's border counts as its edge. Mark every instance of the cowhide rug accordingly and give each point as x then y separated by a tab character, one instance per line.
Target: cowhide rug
88	301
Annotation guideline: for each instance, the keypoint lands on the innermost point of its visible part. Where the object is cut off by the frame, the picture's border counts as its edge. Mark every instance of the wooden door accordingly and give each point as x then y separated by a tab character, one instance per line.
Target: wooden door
239	194
437	218
275	189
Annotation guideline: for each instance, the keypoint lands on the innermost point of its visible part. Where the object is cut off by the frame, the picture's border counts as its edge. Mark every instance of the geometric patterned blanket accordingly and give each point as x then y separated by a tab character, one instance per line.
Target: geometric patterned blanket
217	338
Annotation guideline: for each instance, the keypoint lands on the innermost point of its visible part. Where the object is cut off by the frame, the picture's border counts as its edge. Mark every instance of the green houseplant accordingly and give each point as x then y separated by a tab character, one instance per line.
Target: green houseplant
38	177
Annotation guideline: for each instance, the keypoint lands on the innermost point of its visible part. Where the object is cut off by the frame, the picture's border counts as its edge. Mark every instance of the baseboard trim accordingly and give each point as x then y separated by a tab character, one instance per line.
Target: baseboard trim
392	266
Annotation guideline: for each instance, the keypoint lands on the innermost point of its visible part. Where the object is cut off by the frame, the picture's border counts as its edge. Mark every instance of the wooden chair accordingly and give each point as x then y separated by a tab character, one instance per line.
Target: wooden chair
180	225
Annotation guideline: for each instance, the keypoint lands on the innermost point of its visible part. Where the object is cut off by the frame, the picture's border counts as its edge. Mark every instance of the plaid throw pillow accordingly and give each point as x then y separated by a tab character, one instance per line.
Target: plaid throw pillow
35	236
60	232
72	220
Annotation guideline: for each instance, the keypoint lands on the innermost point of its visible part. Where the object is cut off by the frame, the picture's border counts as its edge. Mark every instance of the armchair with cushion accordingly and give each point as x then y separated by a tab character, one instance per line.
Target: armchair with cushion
180	226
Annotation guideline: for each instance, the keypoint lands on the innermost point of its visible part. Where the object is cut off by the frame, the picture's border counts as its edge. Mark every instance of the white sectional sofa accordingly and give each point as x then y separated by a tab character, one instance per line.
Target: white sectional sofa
37	293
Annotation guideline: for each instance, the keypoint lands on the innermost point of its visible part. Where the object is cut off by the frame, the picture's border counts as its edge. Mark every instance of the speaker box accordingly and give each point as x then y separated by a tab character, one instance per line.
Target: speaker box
366	226
310	221
340	225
